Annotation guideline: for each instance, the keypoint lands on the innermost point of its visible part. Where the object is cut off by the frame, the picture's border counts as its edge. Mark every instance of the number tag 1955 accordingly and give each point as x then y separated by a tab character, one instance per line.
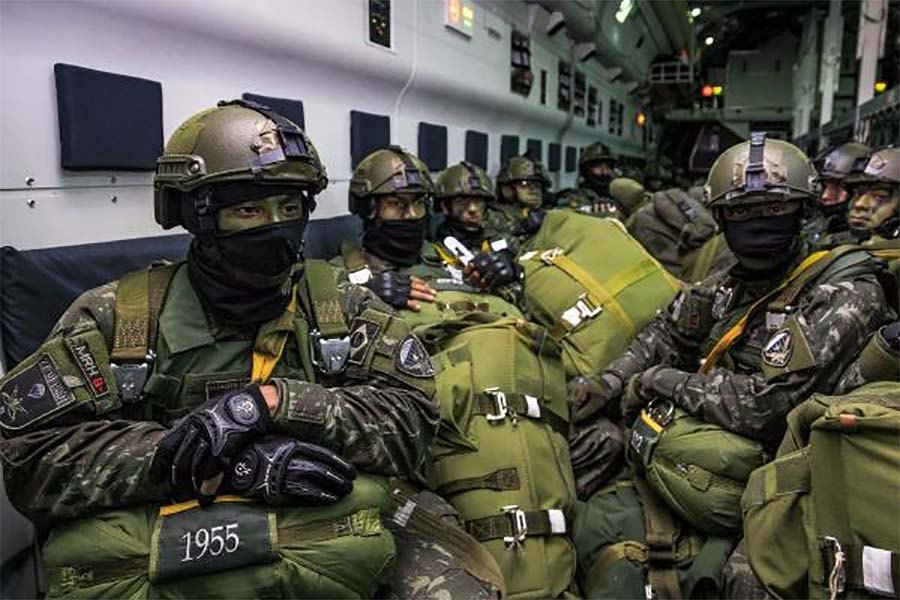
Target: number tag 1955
231	533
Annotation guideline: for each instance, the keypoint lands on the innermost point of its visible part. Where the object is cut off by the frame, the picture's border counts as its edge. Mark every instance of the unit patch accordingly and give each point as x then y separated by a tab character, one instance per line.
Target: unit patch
33	394
777	351
88	365
362	333
412	359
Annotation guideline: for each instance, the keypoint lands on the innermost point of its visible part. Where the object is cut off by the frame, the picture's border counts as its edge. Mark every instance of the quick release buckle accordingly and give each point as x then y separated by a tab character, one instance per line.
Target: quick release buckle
329	355
131	378
500	405
581	310
519	526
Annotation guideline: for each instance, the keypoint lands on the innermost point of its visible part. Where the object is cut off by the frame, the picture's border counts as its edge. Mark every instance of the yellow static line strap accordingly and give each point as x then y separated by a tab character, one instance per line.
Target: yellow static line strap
738	329
646	418
174	509
264	364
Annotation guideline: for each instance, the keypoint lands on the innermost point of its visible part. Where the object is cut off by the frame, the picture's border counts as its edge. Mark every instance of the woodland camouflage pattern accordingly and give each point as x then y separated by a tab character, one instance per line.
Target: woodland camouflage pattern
836	318
77	463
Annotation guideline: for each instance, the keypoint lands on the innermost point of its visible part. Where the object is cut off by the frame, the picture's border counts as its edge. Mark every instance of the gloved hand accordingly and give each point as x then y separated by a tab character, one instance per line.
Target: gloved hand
532	222
891	335
281	470
589	395
201	446
494	269
399	290
634	400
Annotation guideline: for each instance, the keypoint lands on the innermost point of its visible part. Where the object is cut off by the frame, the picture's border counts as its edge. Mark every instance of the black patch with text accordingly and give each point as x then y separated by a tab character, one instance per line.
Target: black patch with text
33	394
88	365
412	359
362	334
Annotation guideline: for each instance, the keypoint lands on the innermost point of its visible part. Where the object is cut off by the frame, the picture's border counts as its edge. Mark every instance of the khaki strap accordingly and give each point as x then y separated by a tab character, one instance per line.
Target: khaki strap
662	544
501	479
447	257
139	299
504	525
423	523
462	306
803	278
513	406
264	363
737	330
326	304
610	555
704	259
366	521
353	256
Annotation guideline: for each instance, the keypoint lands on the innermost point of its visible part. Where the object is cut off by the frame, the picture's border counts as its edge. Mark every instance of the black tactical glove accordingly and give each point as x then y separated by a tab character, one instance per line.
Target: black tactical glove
203	444
496	268
634	400
891	335
281	470
392	287
532	222
589	395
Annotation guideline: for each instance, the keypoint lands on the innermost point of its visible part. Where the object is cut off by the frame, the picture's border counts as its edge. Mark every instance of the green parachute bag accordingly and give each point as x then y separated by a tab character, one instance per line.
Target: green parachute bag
698	469
593	286
455	304
822	519
630	546
231	549
501	457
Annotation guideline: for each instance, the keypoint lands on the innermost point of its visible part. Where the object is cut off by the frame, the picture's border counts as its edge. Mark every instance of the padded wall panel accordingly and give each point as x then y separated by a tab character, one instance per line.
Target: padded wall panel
535	149
368	132
571	159
433	146
107	120
292	109
477	148
554	151
509	147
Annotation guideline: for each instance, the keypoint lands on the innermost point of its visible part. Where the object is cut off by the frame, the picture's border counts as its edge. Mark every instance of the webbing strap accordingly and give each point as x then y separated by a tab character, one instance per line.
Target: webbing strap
447	257
139	298
799	282
703	261
266	356
862	567
732	335
501	479
662	544
497	406
462	306
326	305
353	256
505	525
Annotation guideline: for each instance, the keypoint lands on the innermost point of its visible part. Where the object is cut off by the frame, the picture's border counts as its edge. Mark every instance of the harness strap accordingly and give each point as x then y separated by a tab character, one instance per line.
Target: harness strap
497	406
662	543
635	552
802	279
859	567
501	479
704	260
514	525
732	335
269	346
326	305
139	299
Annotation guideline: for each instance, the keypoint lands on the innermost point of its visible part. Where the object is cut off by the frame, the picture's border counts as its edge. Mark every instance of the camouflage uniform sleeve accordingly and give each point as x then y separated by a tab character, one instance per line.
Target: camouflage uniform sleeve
383	413
60	459
830	327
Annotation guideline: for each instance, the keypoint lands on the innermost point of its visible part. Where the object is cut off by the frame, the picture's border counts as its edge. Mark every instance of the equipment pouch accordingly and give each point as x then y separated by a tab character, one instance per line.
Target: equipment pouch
189	541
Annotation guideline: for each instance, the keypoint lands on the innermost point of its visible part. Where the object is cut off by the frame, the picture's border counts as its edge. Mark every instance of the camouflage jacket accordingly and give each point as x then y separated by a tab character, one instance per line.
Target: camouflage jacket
778	360
502	221
585	200
71	445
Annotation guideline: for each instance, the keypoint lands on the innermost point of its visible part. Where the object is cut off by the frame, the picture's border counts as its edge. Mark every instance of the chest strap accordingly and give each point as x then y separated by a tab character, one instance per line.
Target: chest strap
270	342
330	337
806	272
513	525
501	479
662	534
358	270
497	406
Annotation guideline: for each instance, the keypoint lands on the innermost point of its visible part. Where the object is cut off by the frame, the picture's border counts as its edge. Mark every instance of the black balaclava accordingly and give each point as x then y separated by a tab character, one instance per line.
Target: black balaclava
835	216
396	241
599	184
245	277
764	243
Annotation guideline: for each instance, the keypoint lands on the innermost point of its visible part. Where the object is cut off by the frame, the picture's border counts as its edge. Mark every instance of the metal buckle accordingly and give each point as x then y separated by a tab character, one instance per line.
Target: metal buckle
838	576
502	407
131	378
661	411
329	355
548	256
519	526
581	310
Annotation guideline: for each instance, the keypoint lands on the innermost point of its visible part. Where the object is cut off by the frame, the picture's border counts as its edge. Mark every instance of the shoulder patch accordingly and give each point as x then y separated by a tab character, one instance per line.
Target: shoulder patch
362	333
412	359
33	394
777	351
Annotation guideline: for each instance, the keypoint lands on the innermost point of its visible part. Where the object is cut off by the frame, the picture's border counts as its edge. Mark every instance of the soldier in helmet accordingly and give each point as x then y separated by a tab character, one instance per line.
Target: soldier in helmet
827	225
181	382
463	192
596	170
874	211
741	349
523	188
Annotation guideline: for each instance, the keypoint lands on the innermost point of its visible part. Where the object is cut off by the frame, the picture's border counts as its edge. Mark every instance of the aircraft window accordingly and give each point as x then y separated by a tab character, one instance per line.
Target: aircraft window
535	149
571	158
544	86
564	91
592	106
579	94
107	120
509	147
477	148
368	133
433	146
292	109
380	22
521	76
553	157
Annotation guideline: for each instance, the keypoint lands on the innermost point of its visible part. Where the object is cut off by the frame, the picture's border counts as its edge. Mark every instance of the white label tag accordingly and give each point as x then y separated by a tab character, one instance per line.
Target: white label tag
527	256
877	571
534	407
499	245
360	277
557	520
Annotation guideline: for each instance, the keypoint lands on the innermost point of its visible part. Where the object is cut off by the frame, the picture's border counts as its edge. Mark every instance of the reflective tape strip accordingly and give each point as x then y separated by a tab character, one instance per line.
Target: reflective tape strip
558	521
877	574
534	407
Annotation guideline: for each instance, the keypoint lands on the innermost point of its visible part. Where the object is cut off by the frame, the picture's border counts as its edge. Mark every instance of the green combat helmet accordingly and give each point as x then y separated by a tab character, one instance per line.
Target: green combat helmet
753	172
234	147
883	166
629	193
391	170
522	168
596	153
463	179
838	162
